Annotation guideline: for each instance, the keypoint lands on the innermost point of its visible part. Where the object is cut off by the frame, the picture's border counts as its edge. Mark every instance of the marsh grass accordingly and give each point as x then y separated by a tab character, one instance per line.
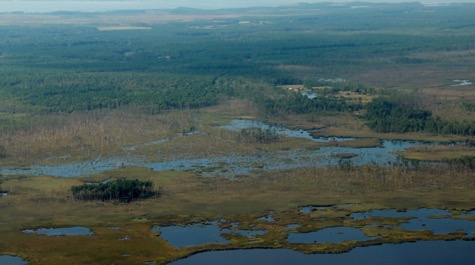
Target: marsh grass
60	137
37	138
46	202
338	124
437	153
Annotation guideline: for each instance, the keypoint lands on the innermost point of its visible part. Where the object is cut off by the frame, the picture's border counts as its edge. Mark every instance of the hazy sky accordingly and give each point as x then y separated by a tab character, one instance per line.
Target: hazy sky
108	5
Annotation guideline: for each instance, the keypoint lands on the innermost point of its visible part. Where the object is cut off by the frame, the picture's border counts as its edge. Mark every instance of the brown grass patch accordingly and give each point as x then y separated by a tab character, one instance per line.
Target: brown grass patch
46	202
437	153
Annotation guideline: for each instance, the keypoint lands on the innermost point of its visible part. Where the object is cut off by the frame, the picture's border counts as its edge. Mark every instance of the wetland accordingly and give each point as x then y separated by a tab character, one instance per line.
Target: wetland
385	152
305	134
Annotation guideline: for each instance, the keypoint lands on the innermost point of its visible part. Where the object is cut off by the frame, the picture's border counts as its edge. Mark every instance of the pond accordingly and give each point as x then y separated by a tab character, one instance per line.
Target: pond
329	235
62	231
436	220
191	235
200	234
11	260
234	165
425	252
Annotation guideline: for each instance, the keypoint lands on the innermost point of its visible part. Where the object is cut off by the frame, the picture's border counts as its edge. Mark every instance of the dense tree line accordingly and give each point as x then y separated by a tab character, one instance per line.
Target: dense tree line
115	190
386	115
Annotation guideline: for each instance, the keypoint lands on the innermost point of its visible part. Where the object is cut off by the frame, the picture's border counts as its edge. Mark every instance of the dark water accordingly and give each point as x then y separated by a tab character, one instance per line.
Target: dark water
469	213
63	231
191	235
419	253
11	260
329	235
200	234
438	221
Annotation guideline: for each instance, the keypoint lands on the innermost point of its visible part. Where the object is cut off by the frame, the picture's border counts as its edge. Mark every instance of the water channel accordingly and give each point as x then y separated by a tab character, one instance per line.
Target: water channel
237	165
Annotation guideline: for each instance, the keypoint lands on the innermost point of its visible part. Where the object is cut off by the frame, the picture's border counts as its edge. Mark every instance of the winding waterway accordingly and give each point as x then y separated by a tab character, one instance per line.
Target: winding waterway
234	164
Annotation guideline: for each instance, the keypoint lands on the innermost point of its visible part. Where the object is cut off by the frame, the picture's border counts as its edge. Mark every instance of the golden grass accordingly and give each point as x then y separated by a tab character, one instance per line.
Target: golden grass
446	102
67	137
61	138
437	153
45	202
349	125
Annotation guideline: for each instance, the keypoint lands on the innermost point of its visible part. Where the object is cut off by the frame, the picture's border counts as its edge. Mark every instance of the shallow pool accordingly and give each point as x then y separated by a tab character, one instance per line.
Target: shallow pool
200	234
62	231
329	235
436	220
11	260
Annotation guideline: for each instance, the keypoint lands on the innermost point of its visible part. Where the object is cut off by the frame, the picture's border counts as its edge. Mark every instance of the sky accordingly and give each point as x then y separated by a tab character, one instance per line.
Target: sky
109	5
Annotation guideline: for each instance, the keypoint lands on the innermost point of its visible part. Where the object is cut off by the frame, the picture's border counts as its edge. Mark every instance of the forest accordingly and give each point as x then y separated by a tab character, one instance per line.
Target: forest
67	68
384	115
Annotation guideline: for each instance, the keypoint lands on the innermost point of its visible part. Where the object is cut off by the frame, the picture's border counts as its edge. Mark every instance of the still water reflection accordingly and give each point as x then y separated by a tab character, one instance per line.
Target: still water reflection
330	235
427	252
436	220
62	231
